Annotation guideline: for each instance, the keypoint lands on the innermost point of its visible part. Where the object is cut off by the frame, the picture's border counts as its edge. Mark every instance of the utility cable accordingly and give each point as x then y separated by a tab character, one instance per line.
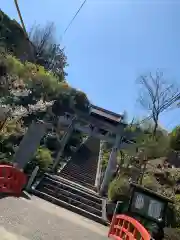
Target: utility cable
68	26
74	17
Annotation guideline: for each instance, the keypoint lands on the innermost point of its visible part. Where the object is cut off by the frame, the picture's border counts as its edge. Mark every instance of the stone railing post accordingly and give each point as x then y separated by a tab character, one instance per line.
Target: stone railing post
98	173
111	166
31	179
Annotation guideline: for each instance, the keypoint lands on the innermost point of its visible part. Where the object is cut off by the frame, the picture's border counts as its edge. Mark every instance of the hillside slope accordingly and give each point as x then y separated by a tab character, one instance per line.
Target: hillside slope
13	38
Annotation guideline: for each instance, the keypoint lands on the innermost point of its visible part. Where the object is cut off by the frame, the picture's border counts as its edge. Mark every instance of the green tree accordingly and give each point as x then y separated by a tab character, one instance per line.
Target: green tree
175	139
152	147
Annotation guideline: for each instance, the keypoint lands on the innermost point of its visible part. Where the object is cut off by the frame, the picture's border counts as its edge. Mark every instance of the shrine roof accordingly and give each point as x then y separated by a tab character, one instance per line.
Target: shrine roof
106	113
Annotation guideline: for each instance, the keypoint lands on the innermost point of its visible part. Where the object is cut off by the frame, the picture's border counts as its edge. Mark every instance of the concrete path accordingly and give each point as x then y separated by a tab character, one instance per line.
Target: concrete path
36	219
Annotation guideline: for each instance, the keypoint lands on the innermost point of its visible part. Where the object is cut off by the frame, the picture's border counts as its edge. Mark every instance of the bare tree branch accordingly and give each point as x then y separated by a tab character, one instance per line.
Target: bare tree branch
157	95
48	53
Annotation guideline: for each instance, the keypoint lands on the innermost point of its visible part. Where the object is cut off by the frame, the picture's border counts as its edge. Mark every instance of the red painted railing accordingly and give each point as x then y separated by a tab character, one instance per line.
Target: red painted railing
126	228
12	180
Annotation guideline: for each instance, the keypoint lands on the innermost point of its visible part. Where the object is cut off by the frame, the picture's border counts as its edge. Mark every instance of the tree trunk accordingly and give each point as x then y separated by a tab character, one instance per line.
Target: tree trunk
155	119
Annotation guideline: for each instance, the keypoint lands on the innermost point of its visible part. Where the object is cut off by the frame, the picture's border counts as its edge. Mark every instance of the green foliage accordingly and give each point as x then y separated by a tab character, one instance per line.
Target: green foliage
173	174
105	158
33	77
14	66
43	158
30	83
150	182
10	137
119	189
154	147
28	89
151	146
177	210
175	139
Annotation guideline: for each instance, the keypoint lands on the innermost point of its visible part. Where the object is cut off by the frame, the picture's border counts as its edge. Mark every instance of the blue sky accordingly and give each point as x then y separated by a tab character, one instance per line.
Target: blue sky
111	43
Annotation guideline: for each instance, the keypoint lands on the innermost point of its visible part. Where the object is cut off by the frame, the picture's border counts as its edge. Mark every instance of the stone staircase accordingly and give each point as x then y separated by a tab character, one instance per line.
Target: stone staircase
71	196
73	187
82	167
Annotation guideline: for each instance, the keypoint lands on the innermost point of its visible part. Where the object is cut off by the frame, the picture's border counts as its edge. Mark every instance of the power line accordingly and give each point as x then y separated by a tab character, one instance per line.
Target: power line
68	26
72	20
70	23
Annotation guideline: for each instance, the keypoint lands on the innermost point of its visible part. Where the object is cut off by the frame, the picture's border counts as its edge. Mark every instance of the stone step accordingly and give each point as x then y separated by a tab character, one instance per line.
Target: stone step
88	170
80	181
77	172
91	161
67	185
80	175
59	195
85	200
92	167
93	144
72	184
70	207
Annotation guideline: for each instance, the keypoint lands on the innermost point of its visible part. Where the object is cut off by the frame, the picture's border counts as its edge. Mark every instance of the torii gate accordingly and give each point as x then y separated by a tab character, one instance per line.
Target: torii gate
100	123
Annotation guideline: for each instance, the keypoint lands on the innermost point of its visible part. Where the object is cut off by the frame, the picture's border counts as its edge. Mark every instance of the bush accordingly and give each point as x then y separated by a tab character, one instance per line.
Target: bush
40	85
31	74
177	210
14	66
150	182
175	139
42	158
119	189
